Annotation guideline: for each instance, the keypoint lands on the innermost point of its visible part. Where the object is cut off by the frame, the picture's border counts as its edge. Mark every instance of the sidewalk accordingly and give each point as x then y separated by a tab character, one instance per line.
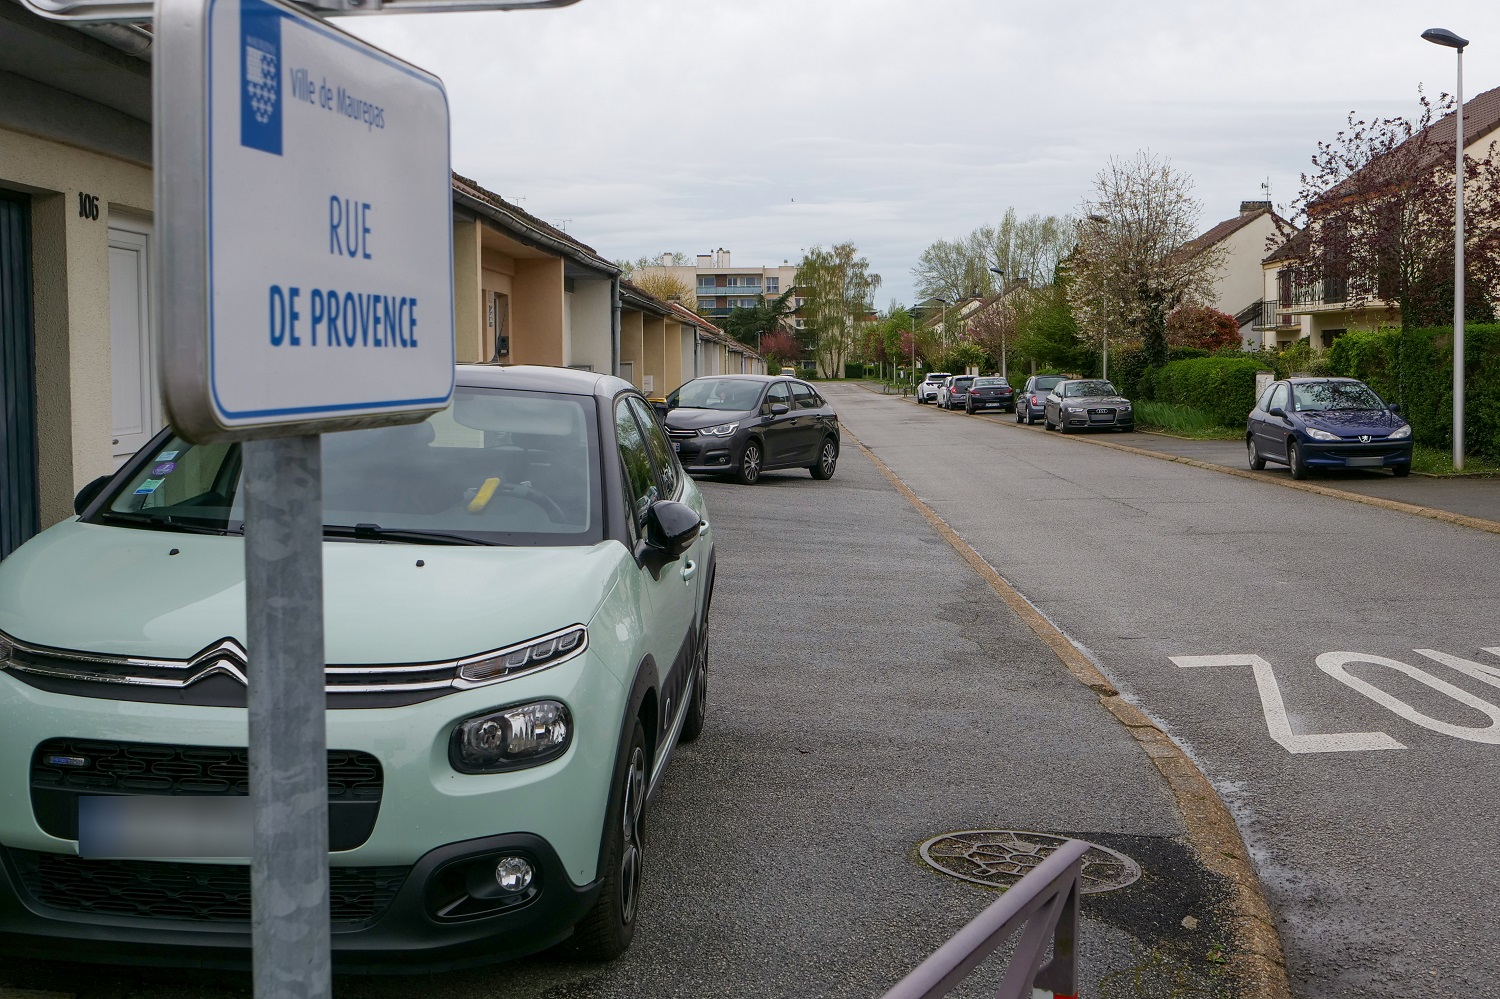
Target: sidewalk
1476	497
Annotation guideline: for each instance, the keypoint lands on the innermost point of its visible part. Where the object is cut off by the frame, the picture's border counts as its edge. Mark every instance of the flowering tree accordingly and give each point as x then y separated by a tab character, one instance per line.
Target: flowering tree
779	347
1130	270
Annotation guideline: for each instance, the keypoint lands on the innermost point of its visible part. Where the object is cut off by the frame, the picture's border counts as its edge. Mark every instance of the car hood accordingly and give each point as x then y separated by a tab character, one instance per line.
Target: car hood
696	419
119	591
1354	422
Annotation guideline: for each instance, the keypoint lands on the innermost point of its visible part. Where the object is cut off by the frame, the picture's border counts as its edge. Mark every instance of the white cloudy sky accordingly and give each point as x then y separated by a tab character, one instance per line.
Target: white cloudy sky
768	126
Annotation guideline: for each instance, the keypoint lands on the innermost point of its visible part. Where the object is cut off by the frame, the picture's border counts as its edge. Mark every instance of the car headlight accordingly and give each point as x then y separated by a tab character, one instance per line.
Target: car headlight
1074	409
722	430
525	735
528	657
1124	405
1400	433
1320	435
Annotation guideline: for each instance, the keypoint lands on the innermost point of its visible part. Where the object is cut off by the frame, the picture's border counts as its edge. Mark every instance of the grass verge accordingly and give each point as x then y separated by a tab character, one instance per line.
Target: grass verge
1431	461
1182	421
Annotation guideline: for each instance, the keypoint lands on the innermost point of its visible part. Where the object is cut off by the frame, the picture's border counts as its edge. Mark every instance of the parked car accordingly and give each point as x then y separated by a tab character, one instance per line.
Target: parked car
990	393
744	425
517	602
1307	423
788	370
1032	404
1087	404
954	390
927	388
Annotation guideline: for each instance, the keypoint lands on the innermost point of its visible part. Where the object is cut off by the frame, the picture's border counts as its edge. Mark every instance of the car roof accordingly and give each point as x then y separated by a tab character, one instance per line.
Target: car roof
1309	379
743	378
540	378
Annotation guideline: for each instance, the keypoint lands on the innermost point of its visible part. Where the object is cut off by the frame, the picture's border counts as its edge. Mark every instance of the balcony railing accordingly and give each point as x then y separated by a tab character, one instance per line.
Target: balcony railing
1274	315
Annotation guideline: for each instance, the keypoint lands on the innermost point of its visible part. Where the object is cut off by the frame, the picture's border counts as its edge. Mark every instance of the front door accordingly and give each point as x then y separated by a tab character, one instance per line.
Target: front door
134	399
779	432
20	515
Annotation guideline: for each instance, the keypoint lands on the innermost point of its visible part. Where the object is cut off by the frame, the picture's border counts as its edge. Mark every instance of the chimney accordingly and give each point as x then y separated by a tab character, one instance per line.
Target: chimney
666	260
705	260
1251	207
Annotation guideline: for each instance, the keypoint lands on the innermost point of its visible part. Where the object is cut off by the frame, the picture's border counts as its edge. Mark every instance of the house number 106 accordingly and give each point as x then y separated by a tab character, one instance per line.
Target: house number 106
88	206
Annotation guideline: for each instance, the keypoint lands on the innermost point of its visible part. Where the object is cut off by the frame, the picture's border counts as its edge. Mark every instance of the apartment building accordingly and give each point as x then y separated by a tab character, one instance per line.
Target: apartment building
720	287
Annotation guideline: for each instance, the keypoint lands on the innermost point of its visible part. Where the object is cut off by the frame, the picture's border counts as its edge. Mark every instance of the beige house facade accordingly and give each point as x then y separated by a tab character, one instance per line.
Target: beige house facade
1239	285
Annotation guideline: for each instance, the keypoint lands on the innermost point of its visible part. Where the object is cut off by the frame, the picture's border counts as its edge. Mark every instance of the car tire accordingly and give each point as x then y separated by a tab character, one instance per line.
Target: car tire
1046	421
1256	461
748	474
1019	418
828	460
1295	460
1401	471
605	933
697	709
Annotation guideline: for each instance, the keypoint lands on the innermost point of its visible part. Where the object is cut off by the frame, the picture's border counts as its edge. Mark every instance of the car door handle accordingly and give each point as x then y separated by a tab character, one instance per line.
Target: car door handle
689	570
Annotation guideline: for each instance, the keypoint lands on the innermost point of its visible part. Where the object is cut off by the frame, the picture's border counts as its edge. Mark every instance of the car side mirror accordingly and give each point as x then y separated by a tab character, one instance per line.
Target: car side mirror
1277	411
1395	407
780	409
671	528
89	493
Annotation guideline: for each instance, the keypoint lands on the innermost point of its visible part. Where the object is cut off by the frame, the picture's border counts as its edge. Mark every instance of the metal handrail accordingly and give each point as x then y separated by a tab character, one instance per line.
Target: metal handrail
1043	905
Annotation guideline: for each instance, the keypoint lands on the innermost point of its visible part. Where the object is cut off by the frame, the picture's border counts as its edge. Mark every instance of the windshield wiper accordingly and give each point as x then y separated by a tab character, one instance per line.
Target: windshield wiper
165	523
410	536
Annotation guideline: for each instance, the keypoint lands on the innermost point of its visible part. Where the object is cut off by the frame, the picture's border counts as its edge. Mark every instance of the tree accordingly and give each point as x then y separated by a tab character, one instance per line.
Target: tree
1130	270
837	288
1202	326
753	324
666	286
1046	329
672	258
1377	218
1025	249
780	347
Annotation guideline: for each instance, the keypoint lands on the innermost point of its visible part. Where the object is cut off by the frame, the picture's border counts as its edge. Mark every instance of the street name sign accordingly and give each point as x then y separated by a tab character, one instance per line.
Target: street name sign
304	206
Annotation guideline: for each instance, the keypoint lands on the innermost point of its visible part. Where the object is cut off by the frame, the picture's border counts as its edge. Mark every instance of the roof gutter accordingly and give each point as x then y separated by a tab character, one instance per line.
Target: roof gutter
532	237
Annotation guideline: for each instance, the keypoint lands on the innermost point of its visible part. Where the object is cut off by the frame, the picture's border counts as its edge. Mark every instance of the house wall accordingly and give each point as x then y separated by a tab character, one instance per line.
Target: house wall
673	341
71	303
468	299
591	342
537	312
1241	281
632	350
654	355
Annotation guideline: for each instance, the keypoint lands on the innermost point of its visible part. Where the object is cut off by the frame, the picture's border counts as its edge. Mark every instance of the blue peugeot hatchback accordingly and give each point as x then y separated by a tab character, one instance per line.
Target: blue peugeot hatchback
1307	423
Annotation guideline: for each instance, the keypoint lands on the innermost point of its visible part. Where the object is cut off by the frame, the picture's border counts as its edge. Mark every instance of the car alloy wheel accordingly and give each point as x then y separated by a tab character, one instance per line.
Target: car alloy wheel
828	460
632	852
749	473
697	708
1256	461
1294	458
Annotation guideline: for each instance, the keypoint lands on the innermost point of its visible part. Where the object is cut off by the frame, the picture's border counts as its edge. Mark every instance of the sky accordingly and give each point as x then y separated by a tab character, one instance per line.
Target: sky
769	126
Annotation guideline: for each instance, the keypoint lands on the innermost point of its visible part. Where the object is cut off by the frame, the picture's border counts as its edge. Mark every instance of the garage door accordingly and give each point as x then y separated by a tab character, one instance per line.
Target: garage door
18	476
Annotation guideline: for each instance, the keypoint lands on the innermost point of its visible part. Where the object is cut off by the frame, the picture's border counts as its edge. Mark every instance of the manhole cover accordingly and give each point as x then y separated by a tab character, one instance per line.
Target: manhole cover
1001	857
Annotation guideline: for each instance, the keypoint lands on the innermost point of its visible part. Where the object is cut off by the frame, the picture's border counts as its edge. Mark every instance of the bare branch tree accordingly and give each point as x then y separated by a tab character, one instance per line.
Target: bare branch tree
1026	249
1130	270
839	293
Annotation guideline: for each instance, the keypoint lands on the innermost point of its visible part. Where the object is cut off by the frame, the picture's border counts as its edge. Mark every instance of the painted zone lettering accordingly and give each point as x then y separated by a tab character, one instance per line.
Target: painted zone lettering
1336	665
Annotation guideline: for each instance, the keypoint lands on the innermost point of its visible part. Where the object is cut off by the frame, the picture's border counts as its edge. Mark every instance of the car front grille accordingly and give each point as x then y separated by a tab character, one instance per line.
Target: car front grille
96	767
217	893
681	435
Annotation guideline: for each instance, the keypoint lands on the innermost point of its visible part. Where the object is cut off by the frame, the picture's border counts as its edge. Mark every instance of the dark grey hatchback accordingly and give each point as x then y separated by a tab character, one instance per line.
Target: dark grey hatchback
743	425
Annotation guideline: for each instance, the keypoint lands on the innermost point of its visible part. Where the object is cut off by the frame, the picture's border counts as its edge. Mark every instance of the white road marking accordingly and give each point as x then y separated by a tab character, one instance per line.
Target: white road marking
1335	663
1278	724
1479	671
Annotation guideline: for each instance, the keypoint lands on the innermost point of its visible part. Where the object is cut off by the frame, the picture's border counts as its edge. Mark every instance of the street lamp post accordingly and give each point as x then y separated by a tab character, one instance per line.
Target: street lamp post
1442	36
1103	334
1001	273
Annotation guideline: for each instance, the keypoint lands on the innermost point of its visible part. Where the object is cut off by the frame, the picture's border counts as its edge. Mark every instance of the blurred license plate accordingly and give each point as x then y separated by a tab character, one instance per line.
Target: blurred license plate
140	826
677	445
1364	462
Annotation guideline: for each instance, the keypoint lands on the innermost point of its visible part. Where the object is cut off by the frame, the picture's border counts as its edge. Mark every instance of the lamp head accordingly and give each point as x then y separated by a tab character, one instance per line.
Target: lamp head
1442	36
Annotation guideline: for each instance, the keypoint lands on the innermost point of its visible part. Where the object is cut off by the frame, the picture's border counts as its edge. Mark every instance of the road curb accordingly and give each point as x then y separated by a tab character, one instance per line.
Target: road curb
1395	506
1258	964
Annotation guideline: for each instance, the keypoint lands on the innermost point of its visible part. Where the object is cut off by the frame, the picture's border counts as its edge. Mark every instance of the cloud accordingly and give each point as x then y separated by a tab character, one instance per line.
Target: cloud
688	125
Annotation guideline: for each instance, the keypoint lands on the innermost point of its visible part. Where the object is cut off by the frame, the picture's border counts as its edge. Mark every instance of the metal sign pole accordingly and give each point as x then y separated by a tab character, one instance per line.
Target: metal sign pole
283	489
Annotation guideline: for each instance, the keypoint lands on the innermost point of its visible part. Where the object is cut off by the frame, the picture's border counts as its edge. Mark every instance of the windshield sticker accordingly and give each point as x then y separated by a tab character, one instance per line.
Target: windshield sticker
165	468
149	486
167	456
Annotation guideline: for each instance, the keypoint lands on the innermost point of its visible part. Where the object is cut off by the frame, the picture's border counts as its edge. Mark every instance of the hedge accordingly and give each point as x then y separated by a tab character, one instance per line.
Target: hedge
1417	372
1221	386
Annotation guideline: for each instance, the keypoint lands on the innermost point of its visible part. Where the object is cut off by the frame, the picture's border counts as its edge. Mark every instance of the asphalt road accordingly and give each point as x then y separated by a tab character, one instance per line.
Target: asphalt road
1380	862
868	692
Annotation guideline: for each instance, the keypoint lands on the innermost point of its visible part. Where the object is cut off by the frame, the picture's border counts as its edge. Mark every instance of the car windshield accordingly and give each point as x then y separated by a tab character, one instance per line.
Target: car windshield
1045	383
1319	397
1092	389
938	376
732	395
497	467
961	382
990	382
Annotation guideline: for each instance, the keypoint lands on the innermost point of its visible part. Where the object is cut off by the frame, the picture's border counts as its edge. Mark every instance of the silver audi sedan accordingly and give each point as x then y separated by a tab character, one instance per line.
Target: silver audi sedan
1086	404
